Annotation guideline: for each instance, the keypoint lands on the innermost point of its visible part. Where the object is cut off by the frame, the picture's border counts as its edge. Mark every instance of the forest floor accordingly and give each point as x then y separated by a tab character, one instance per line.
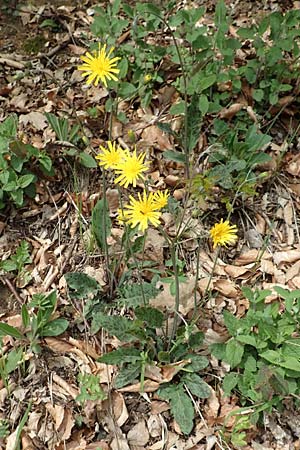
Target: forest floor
38	74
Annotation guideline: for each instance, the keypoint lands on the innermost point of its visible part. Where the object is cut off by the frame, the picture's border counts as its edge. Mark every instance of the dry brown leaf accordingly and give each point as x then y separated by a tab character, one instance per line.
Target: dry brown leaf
293	271
153	372
170	370
119	443
267	266
295	188
138	434
27	443
113	199
153	135
154	425
149	386
158	406
226	287
294	283
119	408
11	442
248	257
35	118
165	300
235	271
154	246
288	256
229	113
293	167
68	389
288	215
58	345
76	49
212	408
172	180
96	445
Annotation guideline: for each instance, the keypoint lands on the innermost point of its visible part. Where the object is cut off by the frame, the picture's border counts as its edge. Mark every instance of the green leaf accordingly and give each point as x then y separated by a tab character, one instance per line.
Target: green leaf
203	104
172	155
127	90
45	162
197	363
182	407
229	382
279	359
196	385
205	83
165	127
25	316
152	316
232	323
13	359
127	375
8	330
258	95
246	339
234	352
149	8
196	340
132	295
55	327
218	350
8	265
115	325
291	347
81	285
101	223
25	180
59	125
178	108
121	356
87	160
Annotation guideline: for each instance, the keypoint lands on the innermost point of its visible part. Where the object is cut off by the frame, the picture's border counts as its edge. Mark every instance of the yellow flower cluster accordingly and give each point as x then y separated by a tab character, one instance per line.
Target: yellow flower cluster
129	168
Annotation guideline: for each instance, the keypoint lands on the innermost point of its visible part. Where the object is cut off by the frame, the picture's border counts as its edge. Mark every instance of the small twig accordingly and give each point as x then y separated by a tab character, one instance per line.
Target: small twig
12	289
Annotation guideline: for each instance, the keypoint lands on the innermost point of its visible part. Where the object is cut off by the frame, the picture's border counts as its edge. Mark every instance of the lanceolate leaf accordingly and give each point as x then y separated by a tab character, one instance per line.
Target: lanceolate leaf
181	406
101	223
196	385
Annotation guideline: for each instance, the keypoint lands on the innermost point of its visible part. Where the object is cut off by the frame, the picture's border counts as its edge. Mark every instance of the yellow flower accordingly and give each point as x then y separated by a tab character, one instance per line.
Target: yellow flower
223	233
99	66
111	157
141	212
130	169
147	78
122	216
161	198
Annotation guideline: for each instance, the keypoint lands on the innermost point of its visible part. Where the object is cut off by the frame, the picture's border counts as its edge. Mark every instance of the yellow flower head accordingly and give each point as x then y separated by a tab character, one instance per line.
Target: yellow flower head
111	157
161	198
122	216
223	233
141	212
147	78
130	169
99	66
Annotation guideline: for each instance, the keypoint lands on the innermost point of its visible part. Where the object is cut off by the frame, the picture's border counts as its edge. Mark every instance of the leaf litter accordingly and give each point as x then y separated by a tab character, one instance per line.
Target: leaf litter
50	217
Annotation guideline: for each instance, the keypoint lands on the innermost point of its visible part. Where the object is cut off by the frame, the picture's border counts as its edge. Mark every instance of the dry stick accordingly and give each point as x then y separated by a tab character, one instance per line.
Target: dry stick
12	289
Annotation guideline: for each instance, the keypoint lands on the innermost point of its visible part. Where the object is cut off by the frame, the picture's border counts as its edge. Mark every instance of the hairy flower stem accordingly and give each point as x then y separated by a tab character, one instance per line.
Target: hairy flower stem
184	78
173	250
109	273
